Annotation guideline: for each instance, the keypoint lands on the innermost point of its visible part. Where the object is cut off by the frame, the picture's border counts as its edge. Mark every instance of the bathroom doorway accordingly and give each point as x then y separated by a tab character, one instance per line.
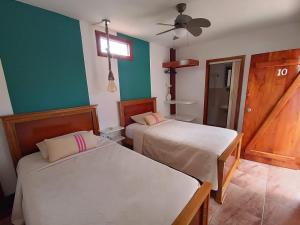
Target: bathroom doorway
223	87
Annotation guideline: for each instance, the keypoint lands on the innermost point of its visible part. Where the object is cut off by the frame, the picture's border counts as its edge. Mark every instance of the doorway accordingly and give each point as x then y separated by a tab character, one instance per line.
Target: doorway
271	118
223	85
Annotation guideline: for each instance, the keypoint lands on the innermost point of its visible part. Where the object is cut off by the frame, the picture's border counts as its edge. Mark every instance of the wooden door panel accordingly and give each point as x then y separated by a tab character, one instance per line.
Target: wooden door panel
262	80
281	137
274	140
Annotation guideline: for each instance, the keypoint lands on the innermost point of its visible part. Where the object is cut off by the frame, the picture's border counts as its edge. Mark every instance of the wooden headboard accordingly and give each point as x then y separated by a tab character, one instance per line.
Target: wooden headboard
25	130
133	107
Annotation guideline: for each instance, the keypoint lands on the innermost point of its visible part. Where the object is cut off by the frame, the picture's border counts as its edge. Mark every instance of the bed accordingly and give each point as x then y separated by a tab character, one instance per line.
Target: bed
99	186
204	152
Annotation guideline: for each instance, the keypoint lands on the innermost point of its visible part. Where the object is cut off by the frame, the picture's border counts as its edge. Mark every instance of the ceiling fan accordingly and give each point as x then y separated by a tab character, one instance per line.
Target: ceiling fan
184	23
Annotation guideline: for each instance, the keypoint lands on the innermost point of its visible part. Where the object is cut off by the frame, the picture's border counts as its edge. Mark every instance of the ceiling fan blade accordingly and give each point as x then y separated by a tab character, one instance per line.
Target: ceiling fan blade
166	24
195	31
166	31
199	22
97	23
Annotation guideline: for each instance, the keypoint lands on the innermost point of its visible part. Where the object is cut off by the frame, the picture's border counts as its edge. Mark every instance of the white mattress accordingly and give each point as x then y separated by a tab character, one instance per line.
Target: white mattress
107	185
188	147
134	127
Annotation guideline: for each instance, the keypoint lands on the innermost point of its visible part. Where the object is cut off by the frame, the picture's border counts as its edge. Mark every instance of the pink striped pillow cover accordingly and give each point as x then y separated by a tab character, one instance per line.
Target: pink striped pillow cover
154	118
59	148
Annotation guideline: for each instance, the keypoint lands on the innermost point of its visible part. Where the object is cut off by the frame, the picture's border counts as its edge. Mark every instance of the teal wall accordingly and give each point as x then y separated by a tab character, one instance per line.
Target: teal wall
134	76
42	58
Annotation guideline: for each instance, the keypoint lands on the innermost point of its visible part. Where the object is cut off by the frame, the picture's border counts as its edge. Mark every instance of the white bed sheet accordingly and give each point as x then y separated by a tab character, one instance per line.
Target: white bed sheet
134	127
107	185
188	147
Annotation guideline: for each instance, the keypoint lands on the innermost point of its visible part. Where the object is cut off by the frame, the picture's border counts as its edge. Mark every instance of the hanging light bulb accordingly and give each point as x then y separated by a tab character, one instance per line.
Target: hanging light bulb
112	87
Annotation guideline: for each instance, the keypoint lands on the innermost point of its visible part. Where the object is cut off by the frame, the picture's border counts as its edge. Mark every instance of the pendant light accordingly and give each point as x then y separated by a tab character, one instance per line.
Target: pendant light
111	80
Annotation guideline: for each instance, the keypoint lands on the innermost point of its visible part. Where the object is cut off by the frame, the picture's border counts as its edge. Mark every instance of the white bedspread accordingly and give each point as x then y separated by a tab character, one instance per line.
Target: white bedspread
187	147
131	129
110	185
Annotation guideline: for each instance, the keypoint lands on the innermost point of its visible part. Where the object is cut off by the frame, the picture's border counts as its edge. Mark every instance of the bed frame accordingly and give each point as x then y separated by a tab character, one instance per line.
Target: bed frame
23	131
227	162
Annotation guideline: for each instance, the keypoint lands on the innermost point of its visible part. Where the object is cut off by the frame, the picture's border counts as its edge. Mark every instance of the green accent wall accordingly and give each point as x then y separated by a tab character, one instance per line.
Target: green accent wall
134	76
42	58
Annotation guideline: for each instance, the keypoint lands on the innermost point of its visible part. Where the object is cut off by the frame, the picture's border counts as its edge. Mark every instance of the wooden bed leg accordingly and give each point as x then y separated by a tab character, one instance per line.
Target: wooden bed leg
203	212
234	149
219	194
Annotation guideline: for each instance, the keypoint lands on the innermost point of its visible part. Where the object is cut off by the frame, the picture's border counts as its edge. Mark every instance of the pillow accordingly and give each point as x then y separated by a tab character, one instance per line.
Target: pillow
139	118
43	147
154	118
62	147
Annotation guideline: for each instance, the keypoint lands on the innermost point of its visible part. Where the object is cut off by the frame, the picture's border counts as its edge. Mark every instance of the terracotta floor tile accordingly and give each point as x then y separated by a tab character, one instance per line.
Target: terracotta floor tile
234	216
260	194
213	208
286	196
278	214
244	200
284	187
249	181
288	177
254	168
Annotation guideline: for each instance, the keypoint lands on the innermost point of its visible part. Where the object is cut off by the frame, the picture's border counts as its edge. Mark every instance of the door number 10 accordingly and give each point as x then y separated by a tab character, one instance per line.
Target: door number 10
282	72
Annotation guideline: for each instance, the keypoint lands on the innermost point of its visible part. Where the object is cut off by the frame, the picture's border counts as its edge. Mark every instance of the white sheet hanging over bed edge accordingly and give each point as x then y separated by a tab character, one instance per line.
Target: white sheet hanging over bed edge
188	147
107	185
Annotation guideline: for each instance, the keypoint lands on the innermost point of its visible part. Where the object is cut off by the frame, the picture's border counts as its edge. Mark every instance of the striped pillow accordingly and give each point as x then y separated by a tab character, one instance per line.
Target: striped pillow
139	118
59	148
154	118
43	147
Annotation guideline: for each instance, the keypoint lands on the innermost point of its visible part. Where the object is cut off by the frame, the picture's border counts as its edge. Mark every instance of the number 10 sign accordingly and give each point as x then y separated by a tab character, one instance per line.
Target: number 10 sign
282	72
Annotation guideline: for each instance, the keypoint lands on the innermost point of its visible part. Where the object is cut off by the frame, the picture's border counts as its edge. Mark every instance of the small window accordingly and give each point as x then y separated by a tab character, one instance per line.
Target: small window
119	48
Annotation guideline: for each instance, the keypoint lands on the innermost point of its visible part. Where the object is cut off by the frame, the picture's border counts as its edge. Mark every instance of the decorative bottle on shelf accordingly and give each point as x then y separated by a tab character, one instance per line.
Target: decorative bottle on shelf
168	97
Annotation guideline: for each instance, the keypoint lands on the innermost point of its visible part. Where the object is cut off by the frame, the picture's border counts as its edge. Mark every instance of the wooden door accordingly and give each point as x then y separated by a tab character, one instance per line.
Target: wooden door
272	110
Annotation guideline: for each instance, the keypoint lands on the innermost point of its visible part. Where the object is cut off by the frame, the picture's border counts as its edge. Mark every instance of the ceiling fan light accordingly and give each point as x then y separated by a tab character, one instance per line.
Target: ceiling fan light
180	32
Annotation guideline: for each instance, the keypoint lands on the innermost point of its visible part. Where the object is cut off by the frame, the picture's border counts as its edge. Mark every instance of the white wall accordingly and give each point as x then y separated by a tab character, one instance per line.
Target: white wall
97	71
97	74
7	171
159	79
190	81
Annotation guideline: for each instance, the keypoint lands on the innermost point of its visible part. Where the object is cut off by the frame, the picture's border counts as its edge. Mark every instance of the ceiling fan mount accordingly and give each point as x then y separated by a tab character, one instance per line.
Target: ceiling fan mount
181	7
193	26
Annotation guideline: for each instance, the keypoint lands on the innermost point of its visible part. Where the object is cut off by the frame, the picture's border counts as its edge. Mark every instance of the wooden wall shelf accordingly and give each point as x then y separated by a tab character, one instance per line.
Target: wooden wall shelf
181	63
184	118
181	102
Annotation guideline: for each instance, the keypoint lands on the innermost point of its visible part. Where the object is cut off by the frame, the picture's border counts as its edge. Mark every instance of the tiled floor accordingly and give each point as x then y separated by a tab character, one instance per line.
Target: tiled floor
259	194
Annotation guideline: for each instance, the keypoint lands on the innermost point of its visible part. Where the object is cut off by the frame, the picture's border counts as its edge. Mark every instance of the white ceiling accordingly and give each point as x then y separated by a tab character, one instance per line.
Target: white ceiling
138	18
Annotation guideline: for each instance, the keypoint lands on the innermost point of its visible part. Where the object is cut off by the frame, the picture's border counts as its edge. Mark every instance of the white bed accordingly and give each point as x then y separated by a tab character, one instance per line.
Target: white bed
191	148
109	185
106	185
204	152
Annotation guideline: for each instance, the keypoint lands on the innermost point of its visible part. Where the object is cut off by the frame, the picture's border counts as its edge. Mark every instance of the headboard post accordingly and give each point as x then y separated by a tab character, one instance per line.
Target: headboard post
133	107
23	131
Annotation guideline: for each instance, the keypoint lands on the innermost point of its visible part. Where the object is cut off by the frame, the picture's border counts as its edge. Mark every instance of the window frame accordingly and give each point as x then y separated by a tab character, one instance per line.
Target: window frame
100	34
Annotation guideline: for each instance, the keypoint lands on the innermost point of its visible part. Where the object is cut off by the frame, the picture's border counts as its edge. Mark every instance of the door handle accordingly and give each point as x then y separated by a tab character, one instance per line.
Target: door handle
249	109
